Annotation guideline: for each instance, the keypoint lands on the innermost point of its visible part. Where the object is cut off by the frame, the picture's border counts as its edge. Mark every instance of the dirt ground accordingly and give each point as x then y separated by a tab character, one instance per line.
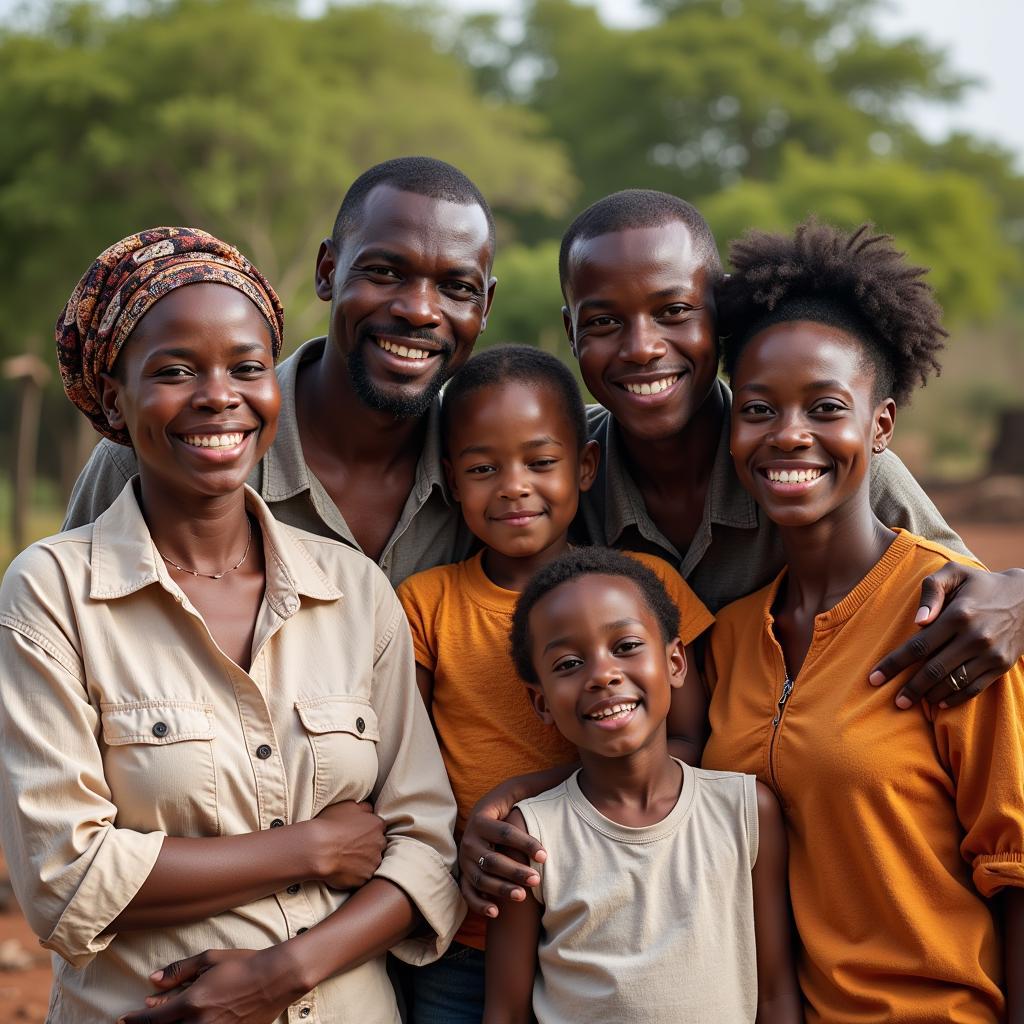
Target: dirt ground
25	967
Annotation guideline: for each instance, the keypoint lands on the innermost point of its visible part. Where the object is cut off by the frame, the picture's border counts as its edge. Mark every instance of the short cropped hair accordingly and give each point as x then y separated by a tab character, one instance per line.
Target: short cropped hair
525	365
857	281
639	208
421	175
573	565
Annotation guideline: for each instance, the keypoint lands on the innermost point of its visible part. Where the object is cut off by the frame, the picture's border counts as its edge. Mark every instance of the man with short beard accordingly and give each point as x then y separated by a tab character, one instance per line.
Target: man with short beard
357	457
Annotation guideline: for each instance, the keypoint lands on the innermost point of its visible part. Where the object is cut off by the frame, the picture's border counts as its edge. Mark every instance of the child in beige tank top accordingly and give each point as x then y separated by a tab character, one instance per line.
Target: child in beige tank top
664	895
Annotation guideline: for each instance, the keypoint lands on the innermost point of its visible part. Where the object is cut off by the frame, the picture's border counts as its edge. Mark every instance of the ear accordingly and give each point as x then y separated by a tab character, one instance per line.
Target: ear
590	459
326	263
569	333
885	423
540	703
676	654
491	285
110	400
449	475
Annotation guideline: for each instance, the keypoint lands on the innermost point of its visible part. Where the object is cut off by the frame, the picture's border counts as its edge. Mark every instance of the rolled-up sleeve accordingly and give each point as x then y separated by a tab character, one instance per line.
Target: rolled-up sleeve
73	871
412	793
982	745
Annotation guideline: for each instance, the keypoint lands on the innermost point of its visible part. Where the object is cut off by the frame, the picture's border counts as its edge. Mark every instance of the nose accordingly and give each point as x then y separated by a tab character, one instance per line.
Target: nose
513	483
216	392
641	342
605	673
791	433
417	304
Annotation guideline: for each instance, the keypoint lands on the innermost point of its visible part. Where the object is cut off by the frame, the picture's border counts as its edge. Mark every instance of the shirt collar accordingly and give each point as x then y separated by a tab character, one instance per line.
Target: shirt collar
125	559
284	472
726	502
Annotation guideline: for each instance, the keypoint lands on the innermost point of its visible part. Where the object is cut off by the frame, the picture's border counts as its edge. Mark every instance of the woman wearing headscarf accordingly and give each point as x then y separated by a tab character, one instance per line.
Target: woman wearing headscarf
197	702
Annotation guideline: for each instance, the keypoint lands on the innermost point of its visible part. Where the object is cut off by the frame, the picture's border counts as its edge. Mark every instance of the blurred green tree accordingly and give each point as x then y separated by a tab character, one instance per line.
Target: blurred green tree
239	116
760	111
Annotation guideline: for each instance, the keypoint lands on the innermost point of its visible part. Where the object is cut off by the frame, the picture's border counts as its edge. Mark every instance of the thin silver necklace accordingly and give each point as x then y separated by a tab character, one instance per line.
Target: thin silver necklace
212	575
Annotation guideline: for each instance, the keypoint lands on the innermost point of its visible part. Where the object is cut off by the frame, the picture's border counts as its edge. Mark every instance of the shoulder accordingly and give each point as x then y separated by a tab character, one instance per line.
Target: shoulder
48	563
430	585
926	556
739	614
549	800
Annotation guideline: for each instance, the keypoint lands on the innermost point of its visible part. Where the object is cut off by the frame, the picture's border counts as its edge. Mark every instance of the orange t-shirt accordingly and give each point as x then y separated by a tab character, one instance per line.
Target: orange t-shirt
486	727
900	823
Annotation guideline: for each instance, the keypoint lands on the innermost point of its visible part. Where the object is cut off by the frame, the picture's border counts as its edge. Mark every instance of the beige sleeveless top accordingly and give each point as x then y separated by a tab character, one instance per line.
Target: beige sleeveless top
652	924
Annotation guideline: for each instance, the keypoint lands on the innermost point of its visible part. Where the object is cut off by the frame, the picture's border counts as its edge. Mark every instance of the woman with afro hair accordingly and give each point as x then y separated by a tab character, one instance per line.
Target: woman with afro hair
906	829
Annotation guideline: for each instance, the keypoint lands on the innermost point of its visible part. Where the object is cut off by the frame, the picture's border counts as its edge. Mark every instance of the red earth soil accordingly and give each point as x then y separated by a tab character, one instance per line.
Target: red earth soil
24	991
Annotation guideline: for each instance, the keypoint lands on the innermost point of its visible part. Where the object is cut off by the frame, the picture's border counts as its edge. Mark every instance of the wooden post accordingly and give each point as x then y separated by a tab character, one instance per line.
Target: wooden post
31	373
1008	452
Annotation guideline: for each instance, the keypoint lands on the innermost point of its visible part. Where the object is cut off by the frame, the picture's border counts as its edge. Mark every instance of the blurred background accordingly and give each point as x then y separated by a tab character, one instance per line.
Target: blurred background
250	118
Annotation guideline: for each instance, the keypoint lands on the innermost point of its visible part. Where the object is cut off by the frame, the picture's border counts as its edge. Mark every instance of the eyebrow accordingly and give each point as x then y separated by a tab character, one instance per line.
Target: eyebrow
610	627
239	349
816	385
537	442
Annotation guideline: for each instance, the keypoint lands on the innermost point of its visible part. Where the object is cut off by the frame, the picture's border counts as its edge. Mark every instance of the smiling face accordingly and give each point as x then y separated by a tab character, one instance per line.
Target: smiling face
805	420
515	467
641	319
605	673
409	292
196	390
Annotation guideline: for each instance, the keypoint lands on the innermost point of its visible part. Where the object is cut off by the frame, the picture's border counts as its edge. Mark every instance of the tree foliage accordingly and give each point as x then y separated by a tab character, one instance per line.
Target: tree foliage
238	116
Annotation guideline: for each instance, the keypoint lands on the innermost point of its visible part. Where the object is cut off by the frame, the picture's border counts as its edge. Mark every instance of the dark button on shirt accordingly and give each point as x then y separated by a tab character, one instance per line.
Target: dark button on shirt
263	751
276	823
160	729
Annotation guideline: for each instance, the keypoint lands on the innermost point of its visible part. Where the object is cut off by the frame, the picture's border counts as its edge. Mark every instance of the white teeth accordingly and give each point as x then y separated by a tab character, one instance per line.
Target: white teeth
793	476
653	388
614	711
213	440
401	350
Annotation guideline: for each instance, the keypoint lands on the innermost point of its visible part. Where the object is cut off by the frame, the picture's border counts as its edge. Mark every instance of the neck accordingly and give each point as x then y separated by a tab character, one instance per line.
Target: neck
341	426
197	532
827	559
635	787
684	460
514	573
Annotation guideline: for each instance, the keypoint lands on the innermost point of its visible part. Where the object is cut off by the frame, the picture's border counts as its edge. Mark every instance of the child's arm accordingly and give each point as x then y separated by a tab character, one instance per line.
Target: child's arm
778	994
1014	955
688	715
425	684
511	958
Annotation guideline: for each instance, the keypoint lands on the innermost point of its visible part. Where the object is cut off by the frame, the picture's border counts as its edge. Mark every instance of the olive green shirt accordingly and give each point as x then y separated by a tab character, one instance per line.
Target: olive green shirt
736	548
429	531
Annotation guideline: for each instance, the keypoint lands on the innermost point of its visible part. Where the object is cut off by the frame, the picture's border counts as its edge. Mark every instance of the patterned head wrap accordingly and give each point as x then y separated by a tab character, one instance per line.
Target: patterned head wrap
124	283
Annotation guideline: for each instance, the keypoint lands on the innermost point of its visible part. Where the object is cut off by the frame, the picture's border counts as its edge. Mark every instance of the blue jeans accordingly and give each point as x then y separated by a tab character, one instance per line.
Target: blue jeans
451	990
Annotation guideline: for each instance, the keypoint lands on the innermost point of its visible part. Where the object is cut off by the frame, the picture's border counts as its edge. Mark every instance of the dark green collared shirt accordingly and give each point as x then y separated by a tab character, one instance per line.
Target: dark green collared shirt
429	531
736	548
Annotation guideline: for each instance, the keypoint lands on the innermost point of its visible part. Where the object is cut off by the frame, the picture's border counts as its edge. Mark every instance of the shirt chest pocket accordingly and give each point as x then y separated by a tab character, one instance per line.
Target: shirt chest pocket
342	733
159	765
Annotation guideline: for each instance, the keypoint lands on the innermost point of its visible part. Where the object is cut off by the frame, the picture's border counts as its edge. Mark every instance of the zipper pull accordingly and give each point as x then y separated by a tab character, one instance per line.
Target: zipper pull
787	689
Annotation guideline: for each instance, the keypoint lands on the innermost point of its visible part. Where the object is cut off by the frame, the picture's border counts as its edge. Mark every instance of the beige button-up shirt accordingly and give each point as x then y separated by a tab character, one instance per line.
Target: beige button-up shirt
122	721
429	531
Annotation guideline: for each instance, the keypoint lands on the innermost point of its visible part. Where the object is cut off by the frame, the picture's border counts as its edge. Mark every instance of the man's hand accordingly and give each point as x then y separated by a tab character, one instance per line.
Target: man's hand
349	843
485	873
221	986
970	618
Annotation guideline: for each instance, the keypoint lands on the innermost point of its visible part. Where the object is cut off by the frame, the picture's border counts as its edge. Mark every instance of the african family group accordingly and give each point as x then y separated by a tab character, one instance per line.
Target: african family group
395	683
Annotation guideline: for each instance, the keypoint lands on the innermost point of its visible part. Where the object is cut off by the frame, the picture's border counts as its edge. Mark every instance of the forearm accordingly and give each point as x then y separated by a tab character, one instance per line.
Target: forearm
375	918
1013	943
196	878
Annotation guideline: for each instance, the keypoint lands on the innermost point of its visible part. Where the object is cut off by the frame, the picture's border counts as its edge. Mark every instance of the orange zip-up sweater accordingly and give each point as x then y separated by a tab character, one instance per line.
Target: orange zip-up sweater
900	823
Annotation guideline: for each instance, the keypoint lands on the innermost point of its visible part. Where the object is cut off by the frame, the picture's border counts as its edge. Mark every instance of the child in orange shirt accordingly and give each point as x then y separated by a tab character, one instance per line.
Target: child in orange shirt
517	458
903	823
